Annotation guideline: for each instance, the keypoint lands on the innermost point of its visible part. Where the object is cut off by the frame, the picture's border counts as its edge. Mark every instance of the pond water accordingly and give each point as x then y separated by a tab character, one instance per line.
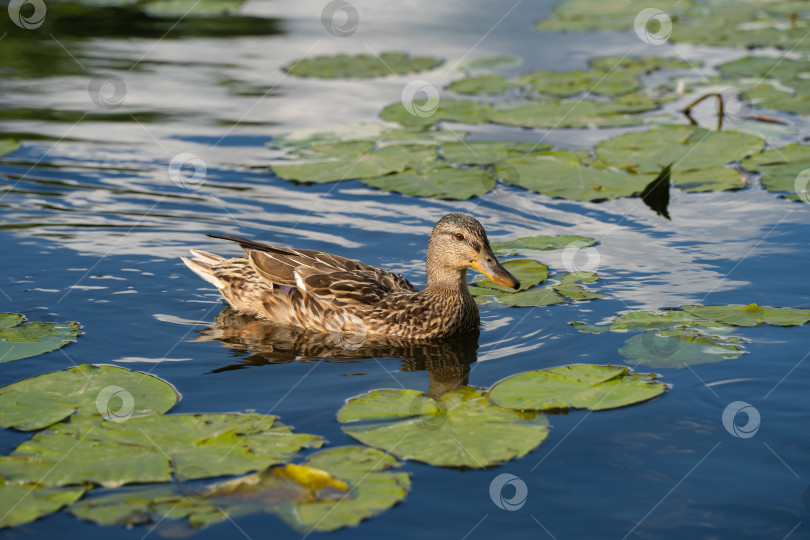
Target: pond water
93	228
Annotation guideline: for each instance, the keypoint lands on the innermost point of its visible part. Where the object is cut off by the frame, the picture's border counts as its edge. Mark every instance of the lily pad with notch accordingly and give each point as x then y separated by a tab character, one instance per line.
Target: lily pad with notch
579	386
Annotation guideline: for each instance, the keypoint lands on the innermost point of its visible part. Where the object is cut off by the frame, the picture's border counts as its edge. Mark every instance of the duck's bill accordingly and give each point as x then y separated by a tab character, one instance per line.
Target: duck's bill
494	271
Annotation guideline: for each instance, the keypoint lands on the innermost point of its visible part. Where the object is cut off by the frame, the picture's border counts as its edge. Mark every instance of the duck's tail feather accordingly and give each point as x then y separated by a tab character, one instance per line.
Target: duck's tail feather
202	263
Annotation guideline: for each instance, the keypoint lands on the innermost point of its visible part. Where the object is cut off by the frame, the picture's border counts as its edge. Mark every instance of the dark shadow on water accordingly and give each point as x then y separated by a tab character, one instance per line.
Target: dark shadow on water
447	361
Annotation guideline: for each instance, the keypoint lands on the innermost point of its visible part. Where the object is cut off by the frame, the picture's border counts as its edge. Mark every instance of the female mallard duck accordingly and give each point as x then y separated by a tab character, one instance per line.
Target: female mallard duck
318	291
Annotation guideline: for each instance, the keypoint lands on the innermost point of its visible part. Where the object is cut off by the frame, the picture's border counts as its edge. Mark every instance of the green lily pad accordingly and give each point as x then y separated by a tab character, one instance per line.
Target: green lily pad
441	182
767	96
355	160
540	242
191	8
482	85
8	146
344	66
578	386
727	23
461	429
687	148
671	339
571	83
301	143
571	114
580	15
32	338
527	271
488	64
751	315
463	111
25	503
781	167
680	347
565	287
314	496
486	152
640	64
562	174
709	179
86	390
152	449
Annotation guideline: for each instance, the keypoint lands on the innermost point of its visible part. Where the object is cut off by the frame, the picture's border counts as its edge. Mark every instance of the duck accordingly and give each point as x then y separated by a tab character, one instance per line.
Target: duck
351	300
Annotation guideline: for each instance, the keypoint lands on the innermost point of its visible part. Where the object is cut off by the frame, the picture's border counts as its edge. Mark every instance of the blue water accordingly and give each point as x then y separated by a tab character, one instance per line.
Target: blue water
92	228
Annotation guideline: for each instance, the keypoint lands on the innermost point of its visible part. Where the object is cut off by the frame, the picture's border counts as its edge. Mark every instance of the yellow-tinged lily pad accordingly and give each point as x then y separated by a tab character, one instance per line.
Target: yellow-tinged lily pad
8	146
578	386
32	338
20	504
86	390
334	488
751	315
344	66
152	448
563	288
461	429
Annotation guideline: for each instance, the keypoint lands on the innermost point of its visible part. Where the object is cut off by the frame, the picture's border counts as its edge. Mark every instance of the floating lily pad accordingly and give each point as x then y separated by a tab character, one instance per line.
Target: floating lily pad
301	143
85	390
482	85
463	111
32	338
781	167
671	339
577	386
581	15
461	429
571	114
488	64
344	66
562	174
191	8
687	148
486	152
152	449
25	503
540	242
728	23
564	287
8	146
355	160
527	271
441	182
751	315
334	488
571	83
680	347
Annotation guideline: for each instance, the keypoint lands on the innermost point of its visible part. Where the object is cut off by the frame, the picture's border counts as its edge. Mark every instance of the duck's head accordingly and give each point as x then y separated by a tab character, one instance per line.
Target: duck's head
458	242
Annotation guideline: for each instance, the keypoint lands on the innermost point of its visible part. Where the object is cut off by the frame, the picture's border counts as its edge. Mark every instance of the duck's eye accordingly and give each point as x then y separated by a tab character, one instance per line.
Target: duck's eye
459	236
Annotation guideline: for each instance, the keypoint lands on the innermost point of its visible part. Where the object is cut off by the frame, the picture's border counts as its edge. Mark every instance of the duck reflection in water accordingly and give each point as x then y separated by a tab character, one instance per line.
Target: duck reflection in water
447	360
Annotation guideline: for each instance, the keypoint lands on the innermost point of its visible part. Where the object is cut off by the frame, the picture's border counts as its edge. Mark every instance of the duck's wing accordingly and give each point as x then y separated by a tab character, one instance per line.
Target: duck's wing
331	278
